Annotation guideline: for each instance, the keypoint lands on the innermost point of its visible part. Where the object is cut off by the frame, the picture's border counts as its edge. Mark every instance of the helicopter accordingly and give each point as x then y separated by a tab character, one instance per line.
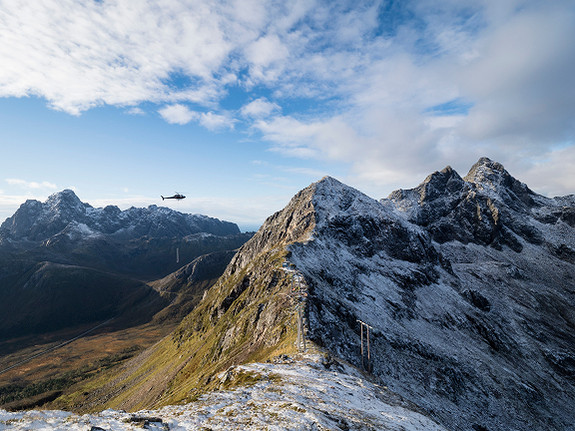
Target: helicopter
177	196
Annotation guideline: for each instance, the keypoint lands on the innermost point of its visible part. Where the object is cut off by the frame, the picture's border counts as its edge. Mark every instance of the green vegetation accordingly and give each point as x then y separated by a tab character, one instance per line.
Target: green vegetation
17	396
246	317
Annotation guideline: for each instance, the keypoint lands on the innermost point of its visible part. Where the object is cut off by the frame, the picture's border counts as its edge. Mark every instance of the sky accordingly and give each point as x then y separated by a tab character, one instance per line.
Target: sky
239	104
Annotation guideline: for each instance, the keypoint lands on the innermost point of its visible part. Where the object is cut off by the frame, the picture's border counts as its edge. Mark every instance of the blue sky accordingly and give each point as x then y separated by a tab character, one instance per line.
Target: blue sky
240	104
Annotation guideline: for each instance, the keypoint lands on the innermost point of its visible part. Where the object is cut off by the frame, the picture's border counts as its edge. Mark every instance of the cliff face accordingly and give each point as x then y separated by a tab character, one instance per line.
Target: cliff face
466	285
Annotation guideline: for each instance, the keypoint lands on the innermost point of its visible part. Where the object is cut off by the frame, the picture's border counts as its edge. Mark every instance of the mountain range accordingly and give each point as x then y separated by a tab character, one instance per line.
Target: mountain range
64	262
456	298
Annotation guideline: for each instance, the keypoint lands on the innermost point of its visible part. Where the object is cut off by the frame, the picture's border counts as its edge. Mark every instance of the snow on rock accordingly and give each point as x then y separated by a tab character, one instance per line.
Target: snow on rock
468	286
313	393
63	211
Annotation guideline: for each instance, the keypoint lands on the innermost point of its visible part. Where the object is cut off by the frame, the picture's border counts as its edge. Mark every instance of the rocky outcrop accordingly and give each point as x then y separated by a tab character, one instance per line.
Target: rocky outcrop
487	207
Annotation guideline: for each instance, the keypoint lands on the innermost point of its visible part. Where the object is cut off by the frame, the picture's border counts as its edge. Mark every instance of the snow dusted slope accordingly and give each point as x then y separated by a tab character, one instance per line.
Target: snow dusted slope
311	394
469	285
64	212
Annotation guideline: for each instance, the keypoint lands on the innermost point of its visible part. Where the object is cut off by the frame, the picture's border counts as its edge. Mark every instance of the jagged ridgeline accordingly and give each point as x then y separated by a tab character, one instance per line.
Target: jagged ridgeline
466	284
65	263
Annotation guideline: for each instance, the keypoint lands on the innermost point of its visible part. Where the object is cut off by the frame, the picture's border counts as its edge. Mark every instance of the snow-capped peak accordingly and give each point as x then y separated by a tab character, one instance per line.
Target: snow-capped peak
39	221
66	199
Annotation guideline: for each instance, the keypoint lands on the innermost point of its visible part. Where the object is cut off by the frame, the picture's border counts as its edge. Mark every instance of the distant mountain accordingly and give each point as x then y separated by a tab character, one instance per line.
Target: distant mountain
466	285
63	262
63	213
186	286
53	296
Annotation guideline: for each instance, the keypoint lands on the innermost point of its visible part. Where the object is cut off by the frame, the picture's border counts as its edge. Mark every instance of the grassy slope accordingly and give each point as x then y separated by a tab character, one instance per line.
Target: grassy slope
238	321
248	315
42	379
31	383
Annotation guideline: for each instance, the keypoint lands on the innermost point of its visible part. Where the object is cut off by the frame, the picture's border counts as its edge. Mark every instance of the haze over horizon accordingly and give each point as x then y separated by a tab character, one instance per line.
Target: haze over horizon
240	104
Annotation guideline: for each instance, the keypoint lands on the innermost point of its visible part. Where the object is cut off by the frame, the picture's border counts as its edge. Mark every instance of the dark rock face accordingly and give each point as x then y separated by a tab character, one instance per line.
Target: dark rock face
467	284
487	207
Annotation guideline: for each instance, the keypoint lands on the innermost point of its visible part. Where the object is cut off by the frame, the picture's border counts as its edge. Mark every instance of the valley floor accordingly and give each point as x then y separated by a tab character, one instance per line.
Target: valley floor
35	367
313	393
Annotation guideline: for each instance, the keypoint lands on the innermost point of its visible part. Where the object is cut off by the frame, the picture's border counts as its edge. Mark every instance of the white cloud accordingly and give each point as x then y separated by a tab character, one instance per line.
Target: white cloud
509	68
214	122
136	111
178	114
266	50
82	54
259	108
266	58
31	184
370	73
556	167
78	55
181	114
523	78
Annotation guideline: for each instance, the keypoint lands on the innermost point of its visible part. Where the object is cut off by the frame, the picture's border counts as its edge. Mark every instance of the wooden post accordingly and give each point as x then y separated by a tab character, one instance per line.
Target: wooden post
361	329
368	352
367	327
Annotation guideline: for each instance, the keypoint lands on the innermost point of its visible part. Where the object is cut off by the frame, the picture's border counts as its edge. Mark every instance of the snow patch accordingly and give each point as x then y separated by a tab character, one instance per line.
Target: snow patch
297	395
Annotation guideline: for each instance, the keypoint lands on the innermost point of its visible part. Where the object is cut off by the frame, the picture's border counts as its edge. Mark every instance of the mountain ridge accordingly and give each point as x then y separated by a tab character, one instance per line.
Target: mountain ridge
38	221
125	249
466	284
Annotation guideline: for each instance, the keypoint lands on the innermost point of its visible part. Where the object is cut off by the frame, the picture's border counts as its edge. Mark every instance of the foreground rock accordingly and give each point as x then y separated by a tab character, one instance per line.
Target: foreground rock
314	393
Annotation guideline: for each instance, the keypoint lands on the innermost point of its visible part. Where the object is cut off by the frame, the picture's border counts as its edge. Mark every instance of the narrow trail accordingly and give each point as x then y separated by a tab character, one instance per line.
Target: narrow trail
51	349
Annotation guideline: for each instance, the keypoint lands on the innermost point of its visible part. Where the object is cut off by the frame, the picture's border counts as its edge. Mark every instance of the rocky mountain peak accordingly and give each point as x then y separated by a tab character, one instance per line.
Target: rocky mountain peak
330	196
38	221
485	165
65	197
488	206
438	183
491	176
65	205
486	171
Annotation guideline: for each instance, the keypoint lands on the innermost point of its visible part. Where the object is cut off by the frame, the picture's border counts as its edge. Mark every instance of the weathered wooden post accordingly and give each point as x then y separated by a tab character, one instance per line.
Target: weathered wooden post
367	327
